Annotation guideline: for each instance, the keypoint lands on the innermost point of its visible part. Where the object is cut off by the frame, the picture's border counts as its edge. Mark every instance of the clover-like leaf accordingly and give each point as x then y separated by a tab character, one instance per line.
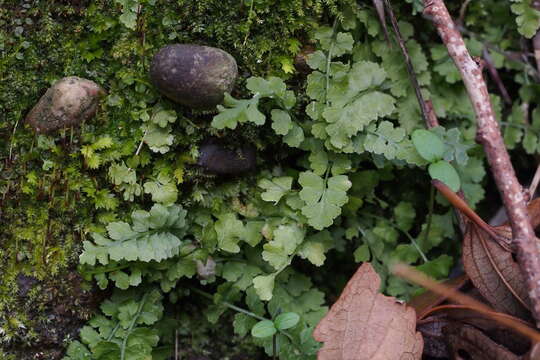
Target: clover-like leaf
323	199
263	329
286	320
275	188
428	145
238	111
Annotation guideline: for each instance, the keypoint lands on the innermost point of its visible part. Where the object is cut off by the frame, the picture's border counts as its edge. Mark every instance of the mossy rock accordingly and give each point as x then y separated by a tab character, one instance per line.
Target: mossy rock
69	102
193	75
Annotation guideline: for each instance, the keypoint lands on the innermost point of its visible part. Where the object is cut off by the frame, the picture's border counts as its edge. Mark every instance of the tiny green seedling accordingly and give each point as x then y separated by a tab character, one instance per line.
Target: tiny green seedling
432	148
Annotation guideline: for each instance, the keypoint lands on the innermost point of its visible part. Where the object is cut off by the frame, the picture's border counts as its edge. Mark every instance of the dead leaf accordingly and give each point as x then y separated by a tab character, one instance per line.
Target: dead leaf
534	354
486	322
466	342
494	272
488	261
364	324
434	340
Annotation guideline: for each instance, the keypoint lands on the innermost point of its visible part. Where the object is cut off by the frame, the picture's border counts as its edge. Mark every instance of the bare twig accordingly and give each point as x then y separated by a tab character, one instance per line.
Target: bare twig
536	46
379	7
408	62
489	136
462	11
534	183
495	75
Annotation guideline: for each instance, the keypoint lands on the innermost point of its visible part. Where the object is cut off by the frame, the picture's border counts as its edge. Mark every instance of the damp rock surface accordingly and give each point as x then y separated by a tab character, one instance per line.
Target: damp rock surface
67	103
218	159
193	75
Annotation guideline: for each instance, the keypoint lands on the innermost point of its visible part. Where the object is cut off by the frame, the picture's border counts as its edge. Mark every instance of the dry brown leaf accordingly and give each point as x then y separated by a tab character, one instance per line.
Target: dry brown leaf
364	324
494	272
488	261
434	340
466	342
503	335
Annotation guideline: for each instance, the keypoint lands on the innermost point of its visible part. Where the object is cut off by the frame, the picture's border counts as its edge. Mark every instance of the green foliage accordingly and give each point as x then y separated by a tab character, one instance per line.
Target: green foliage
263	328
431	148
340	174
123	331
528	18
445	172
154	236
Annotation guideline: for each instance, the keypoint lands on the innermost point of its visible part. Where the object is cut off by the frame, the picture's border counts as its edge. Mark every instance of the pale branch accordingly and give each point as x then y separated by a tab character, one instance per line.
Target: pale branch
489	136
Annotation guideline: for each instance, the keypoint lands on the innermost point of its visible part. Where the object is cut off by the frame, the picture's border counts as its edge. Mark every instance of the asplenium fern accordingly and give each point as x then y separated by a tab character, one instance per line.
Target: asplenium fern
124	330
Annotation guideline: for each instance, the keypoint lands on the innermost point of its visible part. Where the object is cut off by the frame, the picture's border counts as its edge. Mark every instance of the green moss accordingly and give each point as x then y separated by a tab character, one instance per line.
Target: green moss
50	195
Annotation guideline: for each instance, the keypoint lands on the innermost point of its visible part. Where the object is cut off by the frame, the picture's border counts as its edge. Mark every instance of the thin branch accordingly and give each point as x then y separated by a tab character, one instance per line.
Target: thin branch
534	183
379	7
494	73
490	137
408	62
462	11
536	46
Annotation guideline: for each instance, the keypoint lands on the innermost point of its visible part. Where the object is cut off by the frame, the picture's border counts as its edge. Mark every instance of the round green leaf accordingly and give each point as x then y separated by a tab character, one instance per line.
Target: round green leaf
286	320
443	171
264	328
428	145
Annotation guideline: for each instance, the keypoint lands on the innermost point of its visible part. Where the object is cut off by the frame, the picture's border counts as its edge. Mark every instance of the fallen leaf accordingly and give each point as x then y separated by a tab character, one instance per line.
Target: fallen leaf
486	322
434	340
495	272
466	342
488	261
364	324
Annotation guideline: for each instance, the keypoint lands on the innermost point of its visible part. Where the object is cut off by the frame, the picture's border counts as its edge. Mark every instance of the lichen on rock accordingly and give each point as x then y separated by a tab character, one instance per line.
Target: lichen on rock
69	102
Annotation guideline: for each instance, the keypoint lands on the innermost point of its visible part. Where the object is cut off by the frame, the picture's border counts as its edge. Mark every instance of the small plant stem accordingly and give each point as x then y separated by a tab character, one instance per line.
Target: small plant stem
409	236
103	271
328	62
128	332
408	62
176	354
228	304
13	138
249	21
430	214
141	143
117	326
274	346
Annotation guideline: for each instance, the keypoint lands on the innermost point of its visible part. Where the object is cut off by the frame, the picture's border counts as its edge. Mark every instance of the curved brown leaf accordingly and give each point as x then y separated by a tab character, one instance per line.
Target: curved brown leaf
486	322
364	324
488	260
467	342
494	272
